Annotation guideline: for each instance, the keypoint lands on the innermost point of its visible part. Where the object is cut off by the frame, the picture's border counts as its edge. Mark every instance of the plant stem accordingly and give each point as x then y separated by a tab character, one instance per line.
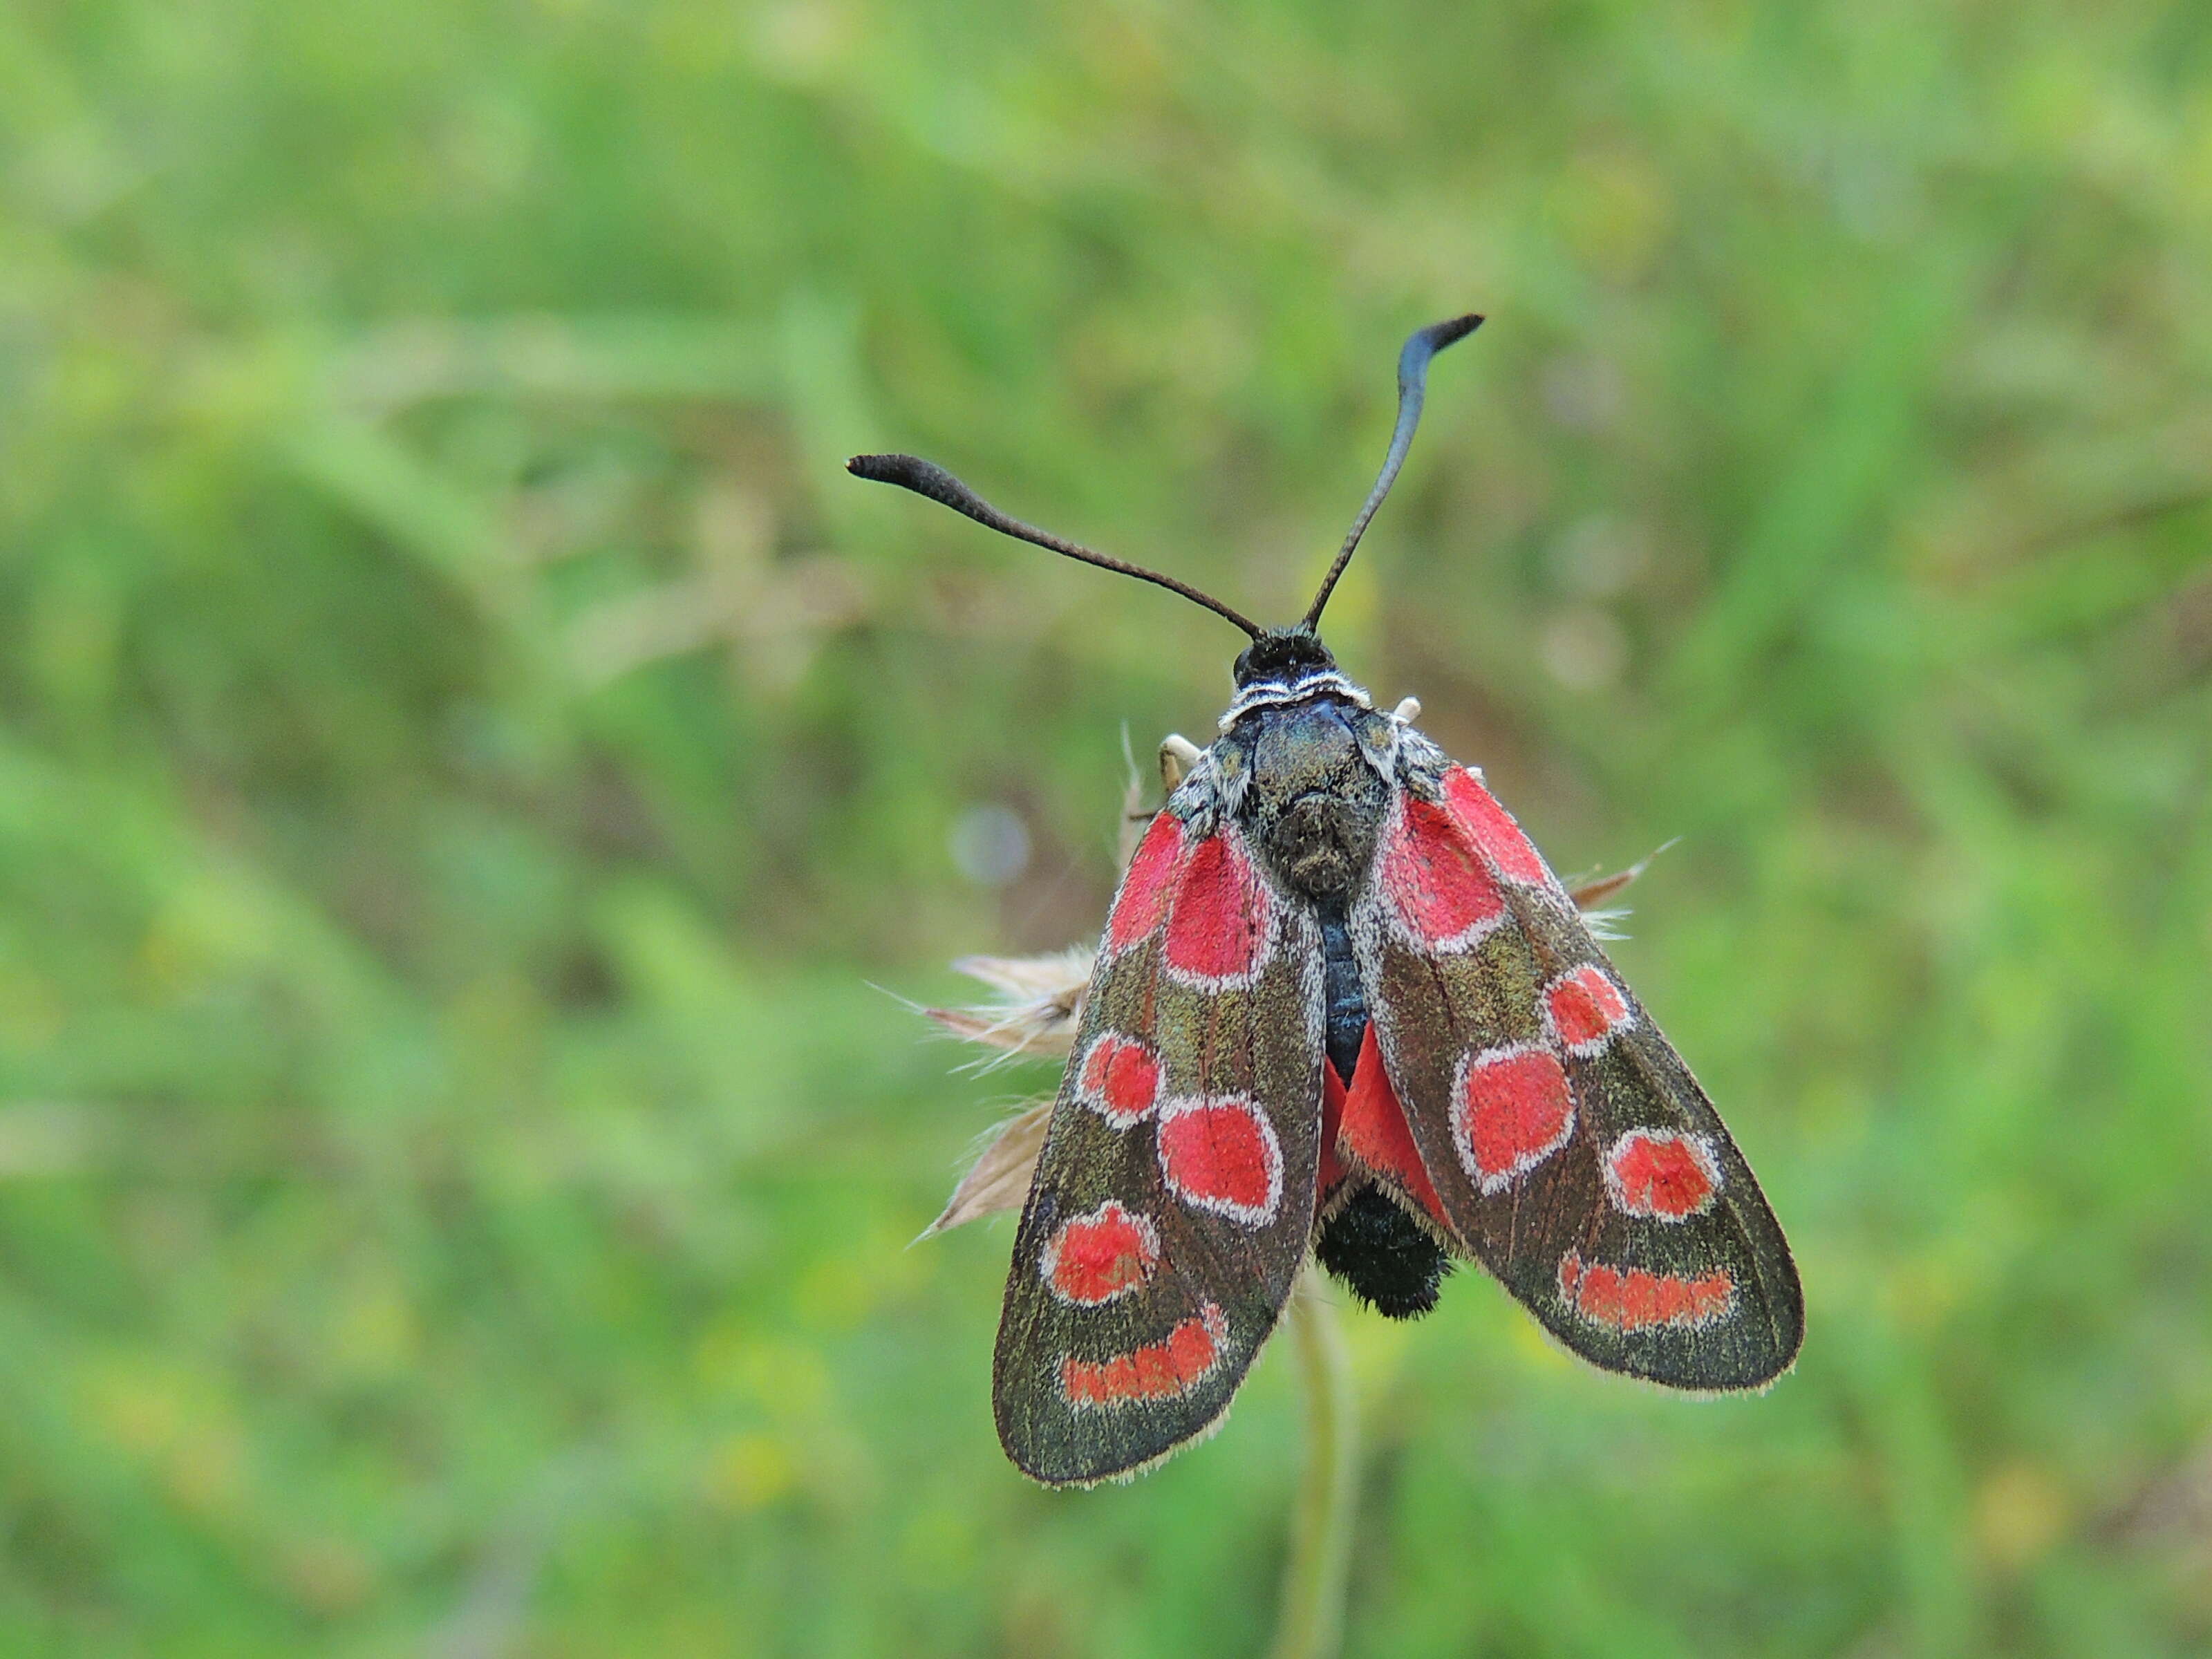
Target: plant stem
1309	1619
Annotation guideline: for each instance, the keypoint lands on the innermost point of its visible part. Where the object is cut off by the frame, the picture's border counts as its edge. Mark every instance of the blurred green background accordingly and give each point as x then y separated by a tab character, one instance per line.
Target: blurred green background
468	757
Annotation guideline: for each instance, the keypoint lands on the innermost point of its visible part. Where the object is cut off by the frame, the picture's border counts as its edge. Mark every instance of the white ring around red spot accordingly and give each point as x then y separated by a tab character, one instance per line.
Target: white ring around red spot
1662	1174
1626	1300
1512	1108
1093	1259
1219	1153
1441	895
1166	1369
1119	1079
1220	919
1584	1007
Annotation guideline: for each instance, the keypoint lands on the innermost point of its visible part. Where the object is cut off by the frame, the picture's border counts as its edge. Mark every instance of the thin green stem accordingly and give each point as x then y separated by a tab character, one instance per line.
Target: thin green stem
1309	1621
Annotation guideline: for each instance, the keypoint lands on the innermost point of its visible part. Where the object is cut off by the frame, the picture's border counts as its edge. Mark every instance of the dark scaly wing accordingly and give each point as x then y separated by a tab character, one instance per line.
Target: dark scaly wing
1174	1195
1573	1152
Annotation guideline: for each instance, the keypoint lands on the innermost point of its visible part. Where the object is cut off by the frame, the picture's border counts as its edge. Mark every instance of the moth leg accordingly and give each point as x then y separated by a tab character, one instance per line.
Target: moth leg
1178	755
1407	711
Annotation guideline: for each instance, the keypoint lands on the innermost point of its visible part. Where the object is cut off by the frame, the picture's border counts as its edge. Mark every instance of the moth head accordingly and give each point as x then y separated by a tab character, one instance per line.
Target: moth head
1287	654
1275	653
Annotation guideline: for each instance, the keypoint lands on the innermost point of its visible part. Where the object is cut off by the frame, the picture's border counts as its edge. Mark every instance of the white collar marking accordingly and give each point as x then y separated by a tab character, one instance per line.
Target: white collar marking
1263	694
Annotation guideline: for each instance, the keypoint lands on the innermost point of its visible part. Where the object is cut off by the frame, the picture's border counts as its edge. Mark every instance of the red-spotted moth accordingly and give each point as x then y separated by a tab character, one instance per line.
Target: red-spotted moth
1343	1005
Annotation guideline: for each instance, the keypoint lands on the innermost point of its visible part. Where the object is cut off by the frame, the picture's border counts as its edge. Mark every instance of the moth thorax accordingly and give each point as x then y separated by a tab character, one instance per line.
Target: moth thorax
1321	843
1315	804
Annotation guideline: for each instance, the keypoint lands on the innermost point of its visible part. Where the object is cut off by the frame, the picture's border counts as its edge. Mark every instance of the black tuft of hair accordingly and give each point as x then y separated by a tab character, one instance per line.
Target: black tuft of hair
1282	653
1383	1256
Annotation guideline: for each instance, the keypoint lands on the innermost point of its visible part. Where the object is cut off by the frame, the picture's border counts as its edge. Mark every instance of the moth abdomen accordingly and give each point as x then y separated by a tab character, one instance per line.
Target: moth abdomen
1383	1255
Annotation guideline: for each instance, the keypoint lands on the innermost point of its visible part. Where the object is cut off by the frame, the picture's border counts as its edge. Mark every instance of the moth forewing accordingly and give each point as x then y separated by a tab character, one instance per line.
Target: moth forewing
1574	1152
1173	1199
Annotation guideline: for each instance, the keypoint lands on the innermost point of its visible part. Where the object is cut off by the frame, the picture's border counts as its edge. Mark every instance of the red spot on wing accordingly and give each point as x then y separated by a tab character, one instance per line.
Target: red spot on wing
1097	1257
1435	877
1217	924
1633	1299
1586	1008
1493	828
1374	1131
1159	1370
1143	896
1120	1079
1515	1109
1219	1153
1659	1173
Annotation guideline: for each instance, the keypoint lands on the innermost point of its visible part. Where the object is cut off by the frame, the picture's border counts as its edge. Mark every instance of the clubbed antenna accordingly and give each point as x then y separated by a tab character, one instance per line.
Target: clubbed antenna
1412	386
927	478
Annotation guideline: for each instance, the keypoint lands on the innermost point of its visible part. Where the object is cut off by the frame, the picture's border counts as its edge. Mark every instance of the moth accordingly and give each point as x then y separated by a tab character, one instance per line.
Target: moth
1343	1005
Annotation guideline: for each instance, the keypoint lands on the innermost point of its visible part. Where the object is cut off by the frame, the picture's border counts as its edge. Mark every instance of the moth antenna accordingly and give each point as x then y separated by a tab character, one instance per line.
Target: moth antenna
927	478
1412	387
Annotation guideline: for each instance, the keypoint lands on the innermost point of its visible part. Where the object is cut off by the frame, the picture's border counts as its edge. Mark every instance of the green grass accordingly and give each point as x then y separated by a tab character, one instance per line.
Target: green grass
467	752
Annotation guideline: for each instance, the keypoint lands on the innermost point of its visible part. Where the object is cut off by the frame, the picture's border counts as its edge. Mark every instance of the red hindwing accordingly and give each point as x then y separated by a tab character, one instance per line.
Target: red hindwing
1370	1132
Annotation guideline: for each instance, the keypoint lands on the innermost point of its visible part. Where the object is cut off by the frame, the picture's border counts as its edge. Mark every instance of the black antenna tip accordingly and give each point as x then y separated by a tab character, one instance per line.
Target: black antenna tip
924	479
1437	336
889	469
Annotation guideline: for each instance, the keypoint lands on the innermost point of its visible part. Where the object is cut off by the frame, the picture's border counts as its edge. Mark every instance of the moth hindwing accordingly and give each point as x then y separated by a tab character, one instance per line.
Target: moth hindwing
1343	1004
